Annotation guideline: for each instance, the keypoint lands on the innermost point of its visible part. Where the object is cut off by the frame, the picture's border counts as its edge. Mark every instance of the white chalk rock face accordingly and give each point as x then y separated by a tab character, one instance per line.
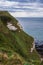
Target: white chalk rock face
41	59
19	25
33	47
11	27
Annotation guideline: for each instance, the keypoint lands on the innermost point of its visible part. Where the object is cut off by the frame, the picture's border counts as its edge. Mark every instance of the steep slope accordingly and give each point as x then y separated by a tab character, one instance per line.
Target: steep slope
15	44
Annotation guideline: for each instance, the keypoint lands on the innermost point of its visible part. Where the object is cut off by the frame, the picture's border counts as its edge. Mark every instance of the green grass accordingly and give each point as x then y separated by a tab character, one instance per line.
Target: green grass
16	42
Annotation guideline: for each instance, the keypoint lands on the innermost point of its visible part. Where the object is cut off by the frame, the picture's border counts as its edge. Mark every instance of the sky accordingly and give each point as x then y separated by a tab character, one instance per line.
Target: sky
23	8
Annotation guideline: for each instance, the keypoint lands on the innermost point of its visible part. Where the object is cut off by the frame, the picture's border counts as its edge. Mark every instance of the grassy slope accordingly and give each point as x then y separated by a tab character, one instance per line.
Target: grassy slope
41	63
14	41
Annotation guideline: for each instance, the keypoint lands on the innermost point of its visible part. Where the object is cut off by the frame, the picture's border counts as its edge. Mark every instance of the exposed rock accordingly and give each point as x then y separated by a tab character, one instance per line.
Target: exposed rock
11	27
41	59
19	25
33	47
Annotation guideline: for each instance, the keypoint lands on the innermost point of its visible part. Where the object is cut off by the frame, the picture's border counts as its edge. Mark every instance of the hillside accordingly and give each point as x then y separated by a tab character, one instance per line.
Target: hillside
15	44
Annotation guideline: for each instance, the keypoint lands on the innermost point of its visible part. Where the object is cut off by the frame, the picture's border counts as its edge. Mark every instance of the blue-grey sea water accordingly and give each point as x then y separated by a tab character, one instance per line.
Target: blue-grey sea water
33	27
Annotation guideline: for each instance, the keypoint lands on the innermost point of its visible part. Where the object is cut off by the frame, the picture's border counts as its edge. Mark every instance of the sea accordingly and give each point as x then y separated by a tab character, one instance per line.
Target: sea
33	26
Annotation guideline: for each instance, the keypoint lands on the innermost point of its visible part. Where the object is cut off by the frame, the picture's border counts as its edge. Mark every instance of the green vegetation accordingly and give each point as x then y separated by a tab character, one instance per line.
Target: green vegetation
15	45
41	63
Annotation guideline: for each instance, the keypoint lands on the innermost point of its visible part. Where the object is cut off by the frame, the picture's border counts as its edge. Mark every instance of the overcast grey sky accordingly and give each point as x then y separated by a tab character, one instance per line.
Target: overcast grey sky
23	8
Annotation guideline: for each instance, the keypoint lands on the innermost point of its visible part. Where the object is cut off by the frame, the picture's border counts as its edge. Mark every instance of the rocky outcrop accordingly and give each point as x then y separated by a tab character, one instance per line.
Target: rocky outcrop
11	27
33	47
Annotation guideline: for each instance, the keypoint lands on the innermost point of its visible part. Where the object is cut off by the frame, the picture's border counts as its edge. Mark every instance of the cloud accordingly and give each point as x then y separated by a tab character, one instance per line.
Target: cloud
22	9
7	3
27	14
